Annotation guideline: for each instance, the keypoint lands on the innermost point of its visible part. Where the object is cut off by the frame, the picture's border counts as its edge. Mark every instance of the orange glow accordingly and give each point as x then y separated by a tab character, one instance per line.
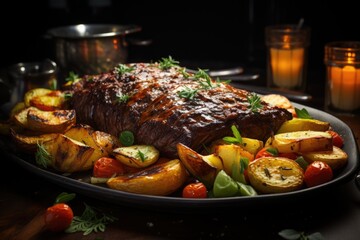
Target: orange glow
345	87
287	66
115	43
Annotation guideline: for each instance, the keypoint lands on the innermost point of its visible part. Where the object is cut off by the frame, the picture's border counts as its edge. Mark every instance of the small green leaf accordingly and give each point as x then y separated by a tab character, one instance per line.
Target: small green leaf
167	63
121	69
188	93
254	101
127	138
64	197
303	113
230	140
315	236
272	151
236	133
142	155
301	161
290	234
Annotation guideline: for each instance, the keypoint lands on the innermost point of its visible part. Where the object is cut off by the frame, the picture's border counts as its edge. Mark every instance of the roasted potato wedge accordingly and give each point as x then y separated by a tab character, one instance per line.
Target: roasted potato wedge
336	158
34	93
66	154
275	175
302	124
16	109
231	155
57	121
204	168
85	134
249	144
20	118
279	101
106	140
49	102
159	179
29	144
138	156
301	141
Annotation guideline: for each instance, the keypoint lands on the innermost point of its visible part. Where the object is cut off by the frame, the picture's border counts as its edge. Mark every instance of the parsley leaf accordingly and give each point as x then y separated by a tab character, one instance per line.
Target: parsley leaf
303	113
122	98
89	222
121	69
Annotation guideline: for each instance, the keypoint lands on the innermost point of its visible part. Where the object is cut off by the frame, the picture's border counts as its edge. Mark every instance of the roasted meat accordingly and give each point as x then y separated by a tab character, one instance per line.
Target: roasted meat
165	106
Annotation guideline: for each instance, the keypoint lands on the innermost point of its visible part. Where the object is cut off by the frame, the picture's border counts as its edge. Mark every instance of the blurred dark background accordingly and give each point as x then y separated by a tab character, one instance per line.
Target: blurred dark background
224	32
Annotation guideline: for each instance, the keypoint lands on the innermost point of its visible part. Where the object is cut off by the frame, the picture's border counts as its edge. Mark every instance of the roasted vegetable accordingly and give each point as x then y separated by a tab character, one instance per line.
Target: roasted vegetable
86	134
56	121
303	124
159	179
35	93
275	175
29	144
301	141
65	154
336	158
204	168
138	156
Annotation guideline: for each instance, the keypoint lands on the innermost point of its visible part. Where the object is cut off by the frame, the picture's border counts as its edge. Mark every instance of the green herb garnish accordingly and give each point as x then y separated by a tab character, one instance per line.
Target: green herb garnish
42	157
64	197
255	102
53	84
303	113
167	63
184	73
142	156
121	69
126	138
89	222
291	234
72	78
237	137
68	95
122	98
202	75
188	93
272	151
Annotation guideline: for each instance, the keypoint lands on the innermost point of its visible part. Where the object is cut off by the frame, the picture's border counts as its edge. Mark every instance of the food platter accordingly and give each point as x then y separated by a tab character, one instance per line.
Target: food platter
79	183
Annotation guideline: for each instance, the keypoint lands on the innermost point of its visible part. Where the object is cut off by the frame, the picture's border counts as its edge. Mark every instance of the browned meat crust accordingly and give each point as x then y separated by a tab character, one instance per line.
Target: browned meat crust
157	115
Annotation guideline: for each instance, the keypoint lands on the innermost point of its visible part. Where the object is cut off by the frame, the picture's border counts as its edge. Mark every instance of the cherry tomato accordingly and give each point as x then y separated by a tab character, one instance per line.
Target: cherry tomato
106	167
194	190
58	217
338	141
267	152
317	173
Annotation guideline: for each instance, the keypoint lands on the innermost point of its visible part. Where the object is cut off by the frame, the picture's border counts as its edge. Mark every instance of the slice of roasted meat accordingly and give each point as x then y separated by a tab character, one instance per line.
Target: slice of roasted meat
163	107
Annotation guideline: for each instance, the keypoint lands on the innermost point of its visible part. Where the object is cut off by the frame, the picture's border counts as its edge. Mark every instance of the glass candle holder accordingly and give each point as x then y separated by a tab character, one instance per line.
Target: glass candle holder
342	60
287	56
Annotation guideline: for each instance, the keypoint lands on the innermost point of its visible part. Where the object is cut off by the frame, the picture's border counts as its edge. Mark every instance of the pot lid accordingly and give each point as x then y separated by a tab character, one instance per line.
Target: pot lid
92	31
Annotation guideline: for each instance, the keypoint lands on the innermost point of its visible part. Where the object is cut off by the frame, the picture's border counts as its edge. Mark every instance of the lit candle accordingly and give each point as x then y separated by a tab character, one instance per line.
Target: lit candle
287	66
345	87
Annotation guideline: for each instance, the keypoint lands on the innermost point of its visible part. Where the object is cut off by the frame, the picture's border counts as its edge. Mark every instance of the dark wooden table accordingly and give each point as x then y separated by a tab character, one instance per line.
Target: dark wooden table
335	213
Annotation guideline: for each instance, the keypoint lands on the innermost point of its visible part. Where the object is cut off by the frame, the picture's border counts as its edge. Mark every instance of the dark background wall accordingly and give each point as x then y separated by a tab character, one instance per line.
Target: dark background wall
221	31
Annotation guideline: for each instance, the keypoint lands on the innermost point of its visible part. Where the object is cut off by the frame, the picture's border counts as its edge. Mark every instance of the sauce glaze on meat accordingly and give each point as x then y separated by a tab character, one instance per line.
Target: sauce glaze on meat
158	116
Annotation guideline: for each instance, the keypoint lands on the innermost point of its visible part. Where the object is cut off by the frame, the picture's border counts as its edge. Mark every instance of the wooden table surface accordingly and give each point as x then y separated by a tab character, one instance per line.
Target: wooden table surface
335	213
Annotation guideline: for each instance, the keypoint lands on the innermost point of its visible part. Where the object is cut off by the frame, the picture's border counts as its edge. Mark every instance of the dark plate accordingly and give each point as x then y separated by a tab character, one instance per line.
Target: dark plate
79	183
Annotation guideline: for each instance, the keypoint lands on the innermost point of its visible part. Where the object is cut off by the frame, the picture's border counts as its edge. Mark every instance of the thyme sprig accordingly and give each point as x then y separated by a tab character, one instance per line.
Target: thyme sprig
42	156
166	63
121	69
255	102
89	221
188	93
201	75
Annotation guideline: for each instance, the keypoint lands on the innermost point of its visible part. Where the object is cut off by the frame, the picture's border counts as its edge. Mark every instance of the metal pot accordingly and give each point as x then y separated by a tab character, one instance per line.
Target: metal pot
90	48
